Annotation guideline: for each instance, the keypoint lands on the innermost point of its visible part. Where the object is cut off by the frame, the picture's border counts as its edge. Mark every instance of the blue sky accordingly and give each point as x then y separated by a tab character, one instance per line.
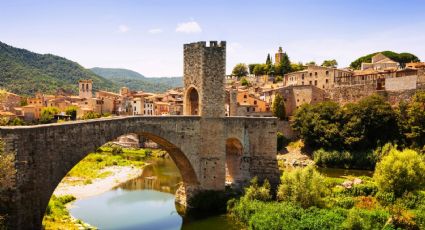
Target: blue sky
148	35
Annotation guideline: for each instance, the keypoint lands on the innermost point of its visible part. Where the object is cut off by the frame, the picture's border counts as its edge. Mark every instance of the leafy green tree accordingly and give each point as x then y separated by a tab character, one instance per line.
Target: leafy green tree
414	118
72	111
244	82
251	68
240	70
400	172
330	63
368	123
304	186
278	79
320	124
310	63
260	69
297	66
48	114
278	107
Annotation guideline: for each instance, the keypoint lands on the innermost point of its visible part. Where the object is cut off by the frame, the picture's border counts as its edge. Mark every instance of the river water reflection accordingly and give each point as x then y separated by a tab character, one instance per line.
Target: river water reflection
146	202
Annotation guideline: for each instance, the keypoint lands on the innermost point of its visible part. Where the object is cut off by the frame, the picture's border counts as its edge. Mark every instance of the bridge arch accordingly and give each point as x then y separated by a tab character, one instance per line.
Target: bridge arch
234	155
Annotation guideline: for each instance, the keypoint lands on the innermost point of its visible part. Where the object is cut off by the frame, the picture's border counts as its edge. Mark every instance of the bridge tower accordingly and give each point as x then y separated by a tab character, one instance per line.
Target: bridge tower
204	74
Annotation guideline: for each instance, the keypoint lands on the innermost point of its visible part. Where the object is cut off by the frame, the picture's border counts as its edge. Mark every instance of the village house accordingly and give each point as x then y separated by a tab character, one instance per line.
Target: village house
380	62
319	76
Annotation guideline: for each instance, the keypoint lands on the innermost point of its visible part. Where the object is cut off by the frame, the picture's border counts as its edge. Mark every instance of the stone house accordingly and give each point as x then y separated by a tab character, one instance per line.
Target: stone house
296	95
319	76
380	62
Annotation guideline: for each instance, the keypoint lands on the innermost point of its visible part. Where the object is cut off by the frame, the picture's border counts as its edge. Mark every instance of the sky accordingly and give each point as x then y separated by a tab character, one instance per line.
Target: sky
147	36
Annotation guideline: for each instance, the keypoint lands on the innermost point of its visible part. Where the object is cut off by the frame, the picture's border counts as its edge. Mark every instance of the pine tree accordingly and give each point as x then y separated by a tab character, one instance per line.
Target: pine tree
268	60
285	64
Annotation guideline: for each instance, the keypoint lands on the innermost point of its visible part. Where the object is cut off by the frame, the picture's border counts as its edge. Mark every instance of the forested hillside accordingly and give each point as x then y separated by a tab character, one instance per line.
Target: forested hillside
137	81
24	72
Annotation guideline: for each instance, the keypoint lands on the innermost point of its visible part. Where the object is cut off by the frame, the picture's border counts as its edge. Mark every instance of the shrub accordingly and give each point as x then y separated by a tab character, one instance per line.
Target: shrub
116	150
91	115
400	172
304	186
365	219
7	169
345	159
420	216
256	192
282	141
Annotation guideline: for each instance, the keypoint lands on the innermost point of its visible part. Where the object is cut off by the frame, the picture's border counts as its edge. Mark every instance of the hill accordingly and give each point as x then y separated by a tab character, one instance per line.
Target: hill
137	81
24	72
401	58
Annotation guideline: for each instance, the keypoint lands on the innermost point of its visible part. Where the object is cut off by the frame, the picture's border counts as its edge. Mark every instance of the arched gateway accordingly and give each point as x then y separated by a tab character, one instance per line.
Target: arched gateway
197	144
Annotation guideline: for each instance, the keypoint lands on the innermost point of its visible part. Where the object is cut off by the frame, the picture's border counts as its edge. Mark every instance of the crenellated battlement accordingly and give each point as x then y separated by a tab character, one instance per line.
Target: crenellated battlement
210	44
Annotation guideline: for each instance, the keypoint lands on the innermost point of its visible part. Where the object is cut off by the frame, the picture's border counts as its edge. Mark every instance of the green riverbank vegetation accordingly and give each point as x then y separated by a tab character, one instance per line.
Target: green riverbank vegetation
95	165
57	215
354	135
394	198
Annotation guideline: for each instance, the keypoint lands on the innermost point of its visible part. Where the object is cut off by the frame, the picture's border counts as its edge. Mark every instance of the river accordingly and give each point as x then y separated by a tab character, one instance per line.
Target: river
146	202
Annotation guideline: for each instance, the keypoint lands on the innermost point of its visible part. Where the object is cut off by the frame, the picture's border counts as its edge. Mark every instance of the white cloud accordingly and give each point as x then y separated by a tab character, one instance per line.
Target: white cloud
155	31
191	27
123	28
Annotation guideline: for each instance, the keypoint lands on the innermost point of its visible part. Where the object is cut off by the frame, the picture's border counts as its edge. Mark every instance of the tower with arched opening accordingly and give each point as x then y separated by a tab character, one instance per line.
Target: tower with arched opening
204	74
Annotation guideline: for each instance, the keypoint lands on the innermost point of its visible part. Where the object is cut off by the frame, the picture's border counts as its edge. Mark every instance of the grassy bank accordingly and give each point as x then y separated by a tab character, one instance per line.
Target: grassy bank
57	215
95	164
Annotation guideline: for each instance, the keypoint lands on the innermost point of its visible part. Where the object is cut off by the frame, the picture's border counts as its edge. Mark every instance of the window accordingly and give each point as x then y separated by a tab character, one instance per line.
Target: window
302	76
310	83
311	74
327	81
244	96
255	102
327	73
302	83
315	82
315	74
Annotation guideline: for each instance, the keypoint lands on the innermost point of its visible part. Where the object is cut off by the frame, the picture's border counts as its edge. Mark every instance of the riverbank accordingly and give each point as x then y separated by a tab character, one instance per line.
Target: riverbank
117	176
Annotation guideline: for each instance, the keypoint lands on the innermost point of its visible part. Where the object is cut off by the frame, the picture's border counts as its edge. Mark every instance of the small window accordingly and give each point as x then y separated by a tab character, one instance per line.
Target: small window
302	83
244	96
311	74
255	102
327	73
315	74
327	81
315	82
311	82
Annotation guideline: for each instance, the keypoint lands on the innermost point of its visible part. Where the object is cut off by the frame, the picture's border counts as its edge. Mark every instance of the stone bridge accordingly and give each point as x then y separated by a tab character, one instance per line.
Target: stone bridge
200	147
207	147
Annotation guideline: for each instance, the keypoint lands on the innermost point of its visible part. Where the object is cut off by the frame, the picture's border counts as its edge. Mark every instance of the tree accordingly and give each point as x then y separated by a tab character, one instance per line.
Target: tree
370	122
320	124
268	60
305	186
278	107
260	69
400	172
72	111
240	70
251	68
244	82
330	63
48	114
285	65
310	63
414	119
297	66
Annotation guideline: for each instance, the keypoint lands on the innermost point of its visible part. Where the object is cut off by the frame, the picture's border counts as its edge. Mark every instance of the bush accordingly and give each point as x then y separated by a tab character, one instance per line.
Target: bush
7	169
365	219
304	186
91	115
116	150
282	141
400	172
345	159
256	192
